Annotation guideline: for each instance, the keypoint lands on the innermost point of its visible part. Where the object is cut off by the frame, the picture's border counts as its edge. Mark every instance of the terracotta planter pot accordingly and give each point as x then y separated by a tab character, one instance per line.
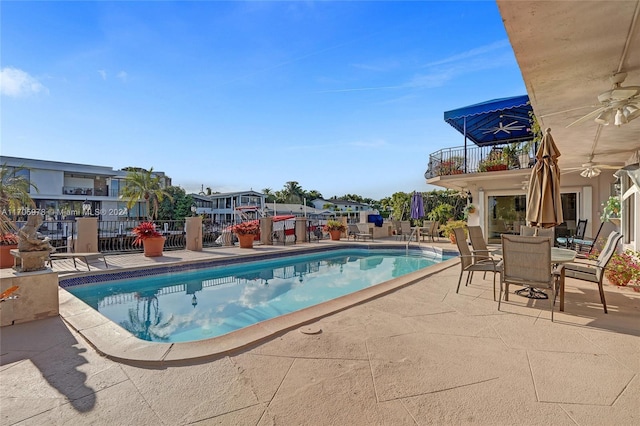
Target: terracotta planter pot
6	260
245	240
153	246
335	235
497	167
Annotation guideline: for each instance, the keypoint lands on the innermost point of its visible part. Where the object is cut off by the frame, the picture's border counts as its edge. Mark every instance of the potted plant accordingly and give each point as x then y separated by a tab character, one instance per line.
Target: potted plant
448	227
611	210
469	209
335	228
624	268
492	165
246	232
8	242
524	153
452	166
152	240
510	155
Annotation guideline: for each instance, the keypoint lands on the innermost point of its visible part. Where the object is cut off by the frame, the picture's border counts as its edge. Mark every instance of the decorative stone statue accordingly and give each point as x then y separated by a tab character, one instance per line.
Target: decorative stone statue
29	239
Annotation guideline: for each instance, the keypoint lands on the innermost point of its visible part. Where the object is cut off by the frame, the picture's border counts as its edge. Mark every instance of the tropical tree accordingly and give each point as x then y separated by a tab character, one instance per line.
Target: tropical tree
14	195
144	185
270	195
293	192
313	194
400	202
177	207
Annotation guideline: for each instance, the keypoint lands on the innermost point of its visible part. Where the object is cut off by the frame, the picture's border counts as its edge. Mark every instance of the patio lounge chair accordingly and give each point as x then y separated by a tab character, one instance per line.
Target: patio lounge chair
86	257
469	263
594	271
527	262
357	233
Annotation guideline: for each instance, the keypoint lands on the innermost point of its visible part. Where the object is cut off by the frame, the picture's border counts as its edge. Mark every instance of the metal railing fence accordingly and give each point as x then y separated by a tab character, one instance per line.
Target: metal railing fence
457	160
58	232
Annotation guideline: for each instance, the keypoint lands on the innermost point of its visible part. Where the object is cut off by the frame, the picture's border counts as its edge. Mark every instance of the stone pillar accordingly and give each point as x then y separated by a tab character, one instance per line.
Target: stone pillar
38	296
193	227
301	230
87	240
266	229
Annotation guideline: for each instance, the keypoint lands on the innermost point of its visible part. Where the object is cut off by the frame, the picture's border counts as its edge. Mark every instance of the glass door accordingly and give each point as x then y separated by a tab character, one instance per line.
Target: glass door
505	215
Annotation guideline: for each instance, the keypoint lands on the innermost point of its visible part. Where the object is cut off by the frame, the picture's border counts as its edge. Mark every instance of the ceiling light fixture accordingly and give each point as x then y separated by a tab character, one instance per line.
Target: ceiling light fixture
590	172
619	119
604	118
630	112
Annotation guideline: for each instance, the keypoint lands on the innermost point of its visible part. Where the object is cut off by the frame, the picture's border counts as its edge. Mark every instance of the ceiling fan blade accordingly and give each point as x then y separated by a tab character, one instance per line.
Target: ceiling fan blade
568	110
589	116
623	93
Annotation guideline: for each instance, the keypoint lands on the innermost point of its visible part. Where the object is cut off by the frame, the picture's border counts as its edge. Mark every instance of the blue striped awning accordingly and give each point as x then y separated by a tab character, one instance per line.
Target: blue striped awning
494	122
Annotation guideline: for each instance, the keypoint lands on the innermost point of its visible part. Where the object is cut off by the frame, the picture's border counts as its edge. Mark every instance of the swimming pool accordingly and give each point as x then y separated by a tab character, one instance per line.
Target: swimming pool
201	304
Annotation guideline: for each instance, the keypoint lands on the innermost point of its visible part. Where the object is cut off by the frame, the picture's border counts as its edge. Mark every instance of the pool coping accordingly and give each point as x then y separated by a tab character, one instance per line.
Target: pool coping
114	342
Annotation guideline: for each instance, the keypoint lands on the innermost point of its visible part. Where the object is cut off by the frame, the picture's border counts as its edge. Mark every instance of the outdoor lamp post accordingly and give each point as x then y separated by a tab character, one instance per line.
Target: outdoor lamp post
86	208
193	210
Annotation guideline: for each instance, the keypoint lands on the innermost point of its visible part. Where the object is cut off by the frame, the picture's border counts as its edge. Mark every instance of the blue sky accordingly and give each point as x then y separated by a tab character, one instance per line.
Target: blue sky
342	97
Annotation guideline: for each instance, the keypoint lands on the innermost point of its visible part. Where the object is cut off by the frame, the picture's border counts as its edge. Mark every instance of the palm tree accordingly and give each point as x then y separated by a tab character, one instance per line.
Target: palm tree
293	192
144	185
270	195
14	195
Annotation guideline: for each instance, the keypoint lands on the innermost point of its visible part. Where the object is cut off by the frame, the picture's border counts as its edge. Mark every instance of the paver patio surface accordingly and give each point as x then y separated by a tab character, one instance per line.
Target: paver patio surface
419	355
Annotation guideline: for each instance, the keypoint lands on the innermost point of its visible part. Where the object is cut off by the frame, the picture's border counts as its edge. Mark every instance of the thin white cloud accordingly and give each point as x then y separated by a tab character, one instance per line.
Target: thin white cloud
381	66
103	74
379	143
472	53
17	83
490	56
122	75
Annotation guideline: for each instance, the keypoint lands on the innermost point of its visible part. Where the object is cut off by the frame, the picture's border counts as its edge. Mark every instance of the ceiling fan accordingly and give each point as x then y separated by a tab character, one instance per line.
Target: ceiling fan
591	169
619	105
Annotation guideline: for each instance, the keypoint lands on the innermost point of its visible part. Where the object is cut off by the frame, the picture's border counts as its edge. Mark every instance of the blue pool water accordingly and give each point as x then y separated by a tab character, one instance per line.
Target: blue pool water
205	303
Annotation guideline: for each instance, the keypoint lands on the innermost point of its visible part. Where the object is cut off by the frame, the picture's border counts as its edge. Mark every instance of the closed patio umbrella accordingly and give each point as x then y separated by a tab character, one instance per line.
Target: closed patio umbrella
544	207
417	206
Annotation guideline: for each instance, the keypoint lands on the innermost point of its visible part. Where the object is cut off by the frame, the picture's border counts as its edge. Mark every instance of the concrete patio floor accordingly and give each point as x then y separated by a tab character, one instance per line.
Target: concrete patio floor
419	355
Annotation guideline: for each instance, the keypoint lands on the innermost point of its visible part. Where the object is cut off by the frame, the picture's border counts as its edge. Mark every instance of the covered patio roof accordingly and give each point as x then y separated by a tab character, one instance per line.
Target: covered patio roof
494	122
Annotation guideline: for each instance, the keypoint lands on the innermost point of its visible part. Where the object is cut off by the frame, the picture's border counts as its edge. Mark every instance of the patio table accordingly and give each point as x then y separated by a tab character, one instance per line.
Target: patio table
558	256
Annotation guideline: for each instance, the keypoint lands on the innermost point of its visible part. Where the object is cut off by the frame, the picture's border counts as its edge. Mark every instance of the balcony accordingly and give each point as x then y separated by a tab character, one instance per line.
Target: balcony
476	159
76	190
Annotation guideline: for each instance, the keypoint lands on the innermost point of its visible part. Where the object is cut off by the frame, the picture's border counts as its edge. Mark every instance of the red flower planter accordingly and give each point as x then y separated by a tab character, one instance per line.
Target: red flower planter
6	260
153	246
245	240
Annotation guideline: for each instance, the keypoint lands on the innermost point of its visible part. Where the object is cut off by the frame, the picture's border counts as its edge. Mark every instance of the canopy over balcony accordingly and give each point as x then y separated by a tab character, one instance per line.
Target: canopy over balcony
498	121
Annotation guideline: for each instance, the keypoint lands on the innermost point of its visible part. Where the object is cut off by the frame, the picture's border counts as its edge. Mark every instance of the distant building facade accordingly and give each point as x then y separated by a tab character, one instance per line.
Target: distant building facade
68	190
